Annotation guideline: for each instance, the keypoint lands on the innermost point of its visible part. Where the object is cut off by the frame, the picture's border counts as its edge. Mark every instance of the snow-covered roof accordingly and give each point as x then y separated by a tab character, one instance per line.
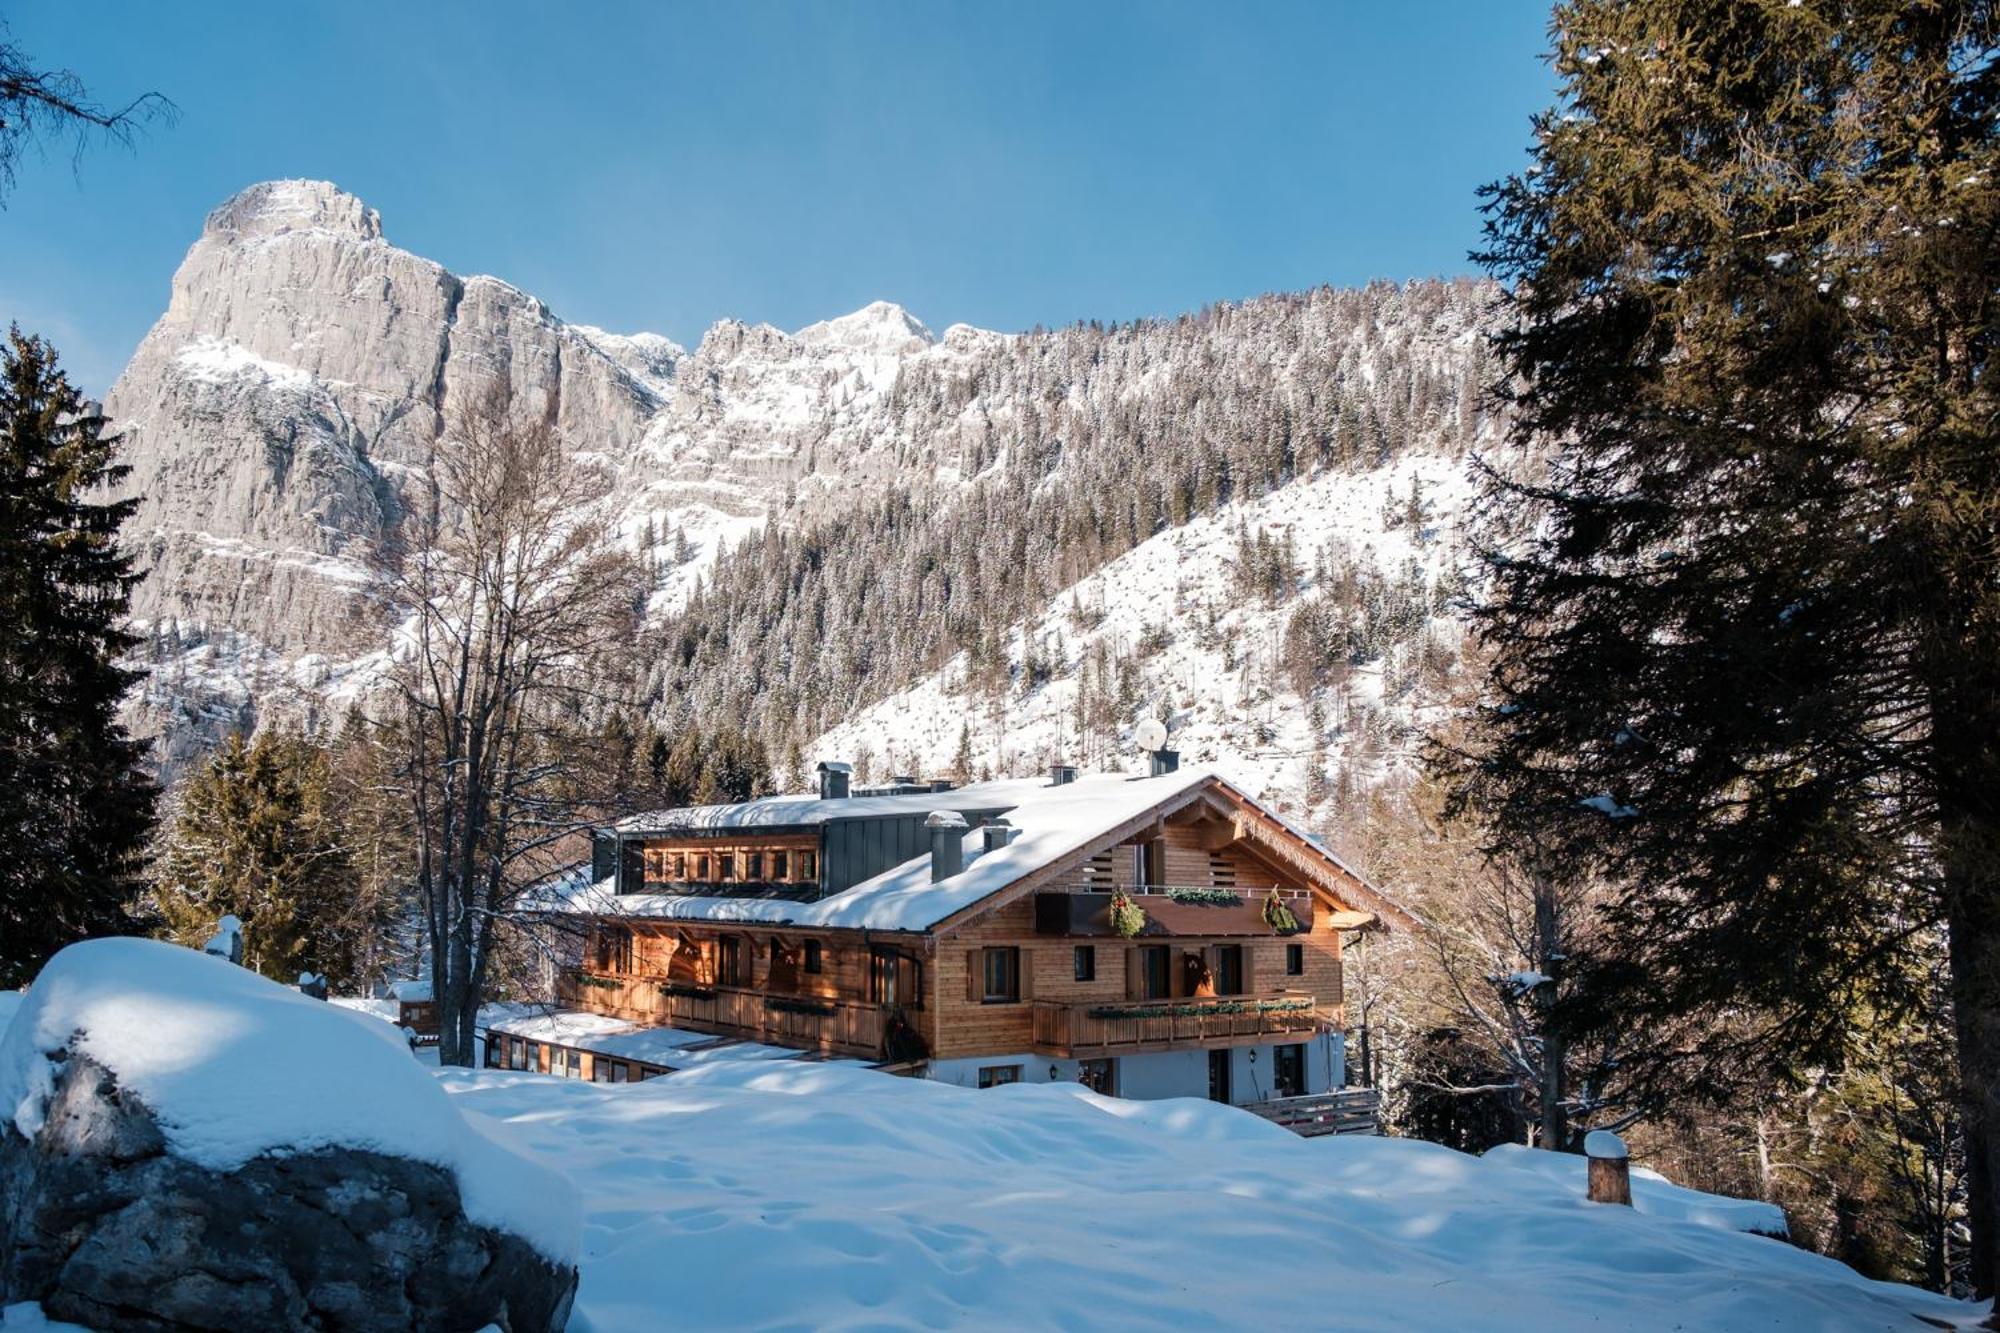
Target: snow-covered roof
1052	820
668	1047
809	808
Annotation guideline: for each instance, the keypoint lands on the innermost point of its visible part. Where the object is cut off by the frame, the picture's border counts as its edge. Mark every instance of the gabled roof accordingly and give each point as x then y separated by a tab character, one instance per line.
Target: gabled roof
1058	826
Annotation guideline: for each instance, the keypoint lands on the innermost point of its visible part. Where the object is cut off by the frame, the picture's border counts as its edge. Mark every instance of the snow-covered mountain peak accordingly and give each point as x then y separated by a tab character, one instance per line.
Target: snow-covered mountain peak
882	327
270	208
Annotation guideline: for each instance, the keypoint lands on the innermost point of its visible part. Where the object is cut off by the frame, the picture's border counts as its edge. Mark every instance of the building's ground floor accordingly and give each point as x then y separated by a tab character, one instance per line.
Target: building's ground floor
599	1049
1314	1063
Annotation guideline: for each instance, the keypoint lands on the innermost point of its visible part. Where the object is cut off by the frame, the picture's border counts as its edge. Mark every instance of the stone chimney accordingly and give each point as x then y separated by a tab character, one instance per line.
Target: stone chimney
1165	761
998	833
834	777
947	843
1061	774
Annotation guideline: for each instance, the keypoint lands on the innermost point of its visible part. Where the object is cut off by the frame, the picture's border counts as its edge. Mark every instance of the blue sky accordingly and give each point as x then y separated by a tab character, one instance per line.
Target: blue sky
660	166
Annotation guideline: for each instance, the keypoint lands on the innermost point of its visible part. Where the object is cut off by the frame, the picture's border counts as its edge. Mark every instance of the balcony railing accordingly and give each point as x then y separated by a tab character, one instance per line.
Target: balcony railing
1087	1030
1182	911
812	1022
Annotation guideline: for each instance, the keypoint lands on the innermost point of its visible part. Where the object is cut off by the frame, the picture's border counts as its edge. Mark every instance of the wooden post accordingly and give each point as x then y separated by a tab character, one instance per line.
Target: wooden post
1610	1170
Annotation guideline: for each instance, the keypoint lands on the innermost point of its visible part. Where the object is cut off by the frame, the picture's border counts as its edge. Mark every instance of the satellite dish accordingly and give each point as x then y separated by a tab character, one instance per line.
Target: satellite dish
1151	734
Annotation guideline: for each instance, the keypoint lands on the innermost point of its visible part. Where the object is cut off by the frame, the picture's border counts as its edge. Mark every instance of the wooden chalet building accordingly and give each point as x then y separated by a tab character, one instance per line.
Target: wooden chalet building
969	934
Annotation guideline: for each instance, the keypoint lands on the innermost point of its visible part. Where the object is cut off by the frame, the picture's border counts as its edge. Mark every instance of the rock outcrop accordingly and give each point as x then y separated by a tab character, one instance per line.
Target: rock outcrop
106	1227
187	1145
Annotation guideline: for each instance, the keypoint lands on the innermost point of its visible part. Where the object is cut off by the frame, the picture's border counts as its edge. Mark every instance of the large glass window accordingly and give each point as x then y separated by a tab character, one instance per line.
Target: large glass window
1154	961
992	1076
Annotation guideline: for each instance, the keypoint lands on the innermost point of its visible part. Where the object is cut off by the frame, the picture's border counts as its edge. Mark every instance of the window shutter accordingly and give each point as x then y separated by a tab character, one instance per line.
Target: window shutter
1027	978
975	975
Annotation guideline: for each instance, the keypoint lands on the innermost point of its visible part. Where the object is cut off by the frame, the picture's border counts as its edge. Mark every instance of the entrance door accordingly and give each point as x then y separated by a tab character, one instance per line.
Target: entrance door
1099	1076
1218	1076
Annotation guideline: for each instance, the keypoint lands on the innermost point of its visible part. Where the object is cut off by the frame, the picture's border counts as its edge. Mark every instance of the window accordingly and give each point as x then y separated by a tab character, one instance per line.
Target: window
559	1061
600	1069
725	865
992	1076
1295	960
1153	972
733	959
680	864
812	956
614	949
517	1053
1086	962
1229	969
1003	976
701	867
894	977
618	1071
808	865
753	865
1288	1071
779	870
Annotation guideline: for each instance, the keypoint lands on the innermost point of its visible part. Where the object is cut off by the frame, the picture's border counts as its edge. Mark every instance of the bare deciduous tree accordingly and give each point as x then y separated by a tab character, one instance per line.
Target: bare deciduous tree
37	104
521	620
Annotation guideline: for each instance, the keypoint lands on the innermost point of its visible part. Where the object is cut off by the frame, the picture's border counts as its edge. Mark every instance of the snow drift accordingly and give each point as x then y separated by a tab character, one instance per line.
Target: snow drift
804	1196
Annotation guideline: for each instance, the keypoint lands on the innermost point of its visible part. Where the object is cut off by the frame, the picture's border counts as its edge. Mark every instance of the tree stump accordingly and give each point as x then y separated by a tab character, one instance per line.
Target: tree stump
1610	1170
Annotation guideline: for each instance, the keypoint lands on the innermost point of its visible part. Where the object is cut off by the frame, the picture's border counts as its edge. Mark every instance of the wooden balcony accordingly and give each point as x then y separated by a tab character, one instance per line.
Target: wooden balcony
808	1022
1087	1031
1198	912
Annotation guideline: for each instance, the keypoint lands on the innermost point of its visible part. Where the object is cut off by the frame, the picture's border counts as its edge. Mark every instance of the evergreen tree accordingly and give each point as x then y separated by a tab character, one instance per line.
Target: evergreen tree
75	808
1748	649
259	833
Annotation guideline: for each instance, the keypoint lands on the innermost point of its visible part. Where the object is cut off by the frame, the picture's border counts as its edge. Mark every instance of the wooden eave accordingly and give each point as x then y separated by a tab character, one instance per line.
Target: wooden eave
1323	872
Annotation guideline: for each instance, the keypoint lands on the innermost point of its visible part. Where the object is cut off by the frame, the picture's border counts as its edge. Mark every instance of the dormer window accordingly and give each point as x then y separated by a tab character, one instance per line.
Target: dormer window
753	866
780	871
725	865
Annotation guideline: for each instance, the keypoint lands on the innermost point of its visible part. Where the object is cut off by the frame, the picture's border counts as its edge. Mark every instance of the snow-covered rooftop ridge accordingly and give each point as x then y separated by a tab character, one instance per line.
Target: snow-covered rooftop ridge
809	808
879	326
271	207
234	1066
1051	820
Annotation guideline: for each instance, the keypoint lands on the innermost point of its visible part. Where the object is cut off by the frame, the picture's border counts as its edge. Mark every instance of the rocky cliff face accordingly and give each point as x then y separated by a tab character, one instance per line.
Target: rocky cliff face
299	378
293	391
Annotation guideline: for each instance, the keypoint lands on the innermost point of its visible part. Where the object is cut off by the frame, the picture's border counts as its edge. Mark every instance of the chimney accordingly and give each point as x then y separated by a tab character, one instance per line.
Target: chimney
902	779
942	784
1061	774
998	833
1165	761
833	779
947	843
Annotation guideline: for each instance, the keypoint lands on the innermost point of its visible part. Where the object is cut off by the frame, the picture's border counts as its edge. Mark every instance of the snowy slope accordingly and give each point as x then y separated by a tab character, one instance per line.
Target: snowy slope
801	1196
1217	679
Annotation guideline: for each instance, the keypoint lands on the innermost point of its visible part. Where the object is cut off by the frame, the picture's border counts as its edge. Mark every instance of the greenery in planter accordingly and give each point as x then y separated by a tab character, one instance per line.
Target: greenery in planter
601	983
1207	897
786	1005
1278	916
1192	1010
1127	917
684	991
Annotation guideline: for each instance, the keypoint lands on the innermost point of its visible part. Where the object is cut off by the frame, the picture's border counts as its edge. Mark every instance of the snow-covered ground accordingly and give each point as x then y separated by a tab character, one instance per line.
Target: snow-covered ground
812	1196
1221	688
785	1194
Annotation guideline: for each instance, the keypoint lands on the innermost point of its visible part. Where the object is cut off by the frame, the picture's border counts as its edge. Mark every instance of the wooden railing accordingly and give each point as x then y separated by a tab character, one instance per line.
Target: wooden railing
1345	1111
1085	1030
813	1022
1200	911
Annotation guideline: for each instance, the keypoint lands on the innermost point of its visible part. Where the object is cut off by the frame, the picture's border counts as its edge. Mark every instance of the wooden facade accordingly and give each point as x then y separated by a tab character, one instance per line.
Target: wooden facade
1034	968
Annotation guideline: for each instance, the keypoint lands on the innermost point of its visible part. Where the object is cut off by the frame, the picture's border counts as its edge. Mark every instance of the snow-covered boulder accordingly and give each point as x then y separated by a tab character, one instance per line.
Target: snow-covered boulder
184	1144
